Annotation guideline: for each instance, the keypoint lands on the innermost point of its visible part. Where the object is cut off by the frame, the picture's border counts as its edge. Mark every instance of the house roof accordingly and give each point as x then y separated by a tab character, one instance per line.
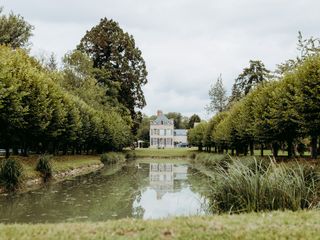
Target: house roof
162	120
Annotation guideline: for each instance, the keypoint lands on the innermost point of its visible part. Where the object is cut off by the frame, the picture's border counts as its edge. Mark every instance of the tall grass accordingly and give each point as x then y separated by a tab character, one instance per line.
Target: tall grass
11	174
112	158
44	166
210	160
257	185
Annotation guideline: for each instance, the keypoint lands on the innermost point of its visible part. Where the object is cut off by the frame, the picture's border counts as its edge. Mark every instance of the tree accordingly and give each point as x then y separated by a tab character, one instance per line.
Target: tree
52	64
196	136
251	76
306	47
308	77
218	98
177	119
120	63
143	132
193	119
14	30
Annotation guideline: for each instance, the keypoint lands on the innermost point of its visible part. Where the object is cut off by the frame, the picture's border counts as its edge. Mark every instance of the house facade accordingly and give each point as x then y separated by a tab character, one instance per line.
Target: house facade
163	134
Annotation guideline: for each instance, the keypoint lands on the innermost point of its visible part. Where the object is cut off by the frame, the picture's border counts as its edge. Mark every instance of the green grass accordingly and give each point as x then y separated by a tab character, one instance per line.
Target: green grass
164	153
273	225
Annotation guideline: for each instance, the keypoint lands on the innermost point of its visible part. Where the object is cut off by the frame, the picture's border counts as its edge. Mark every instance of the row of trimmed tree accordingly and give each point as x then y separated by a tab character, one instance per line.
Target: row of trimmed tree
90	104
37	114
276	113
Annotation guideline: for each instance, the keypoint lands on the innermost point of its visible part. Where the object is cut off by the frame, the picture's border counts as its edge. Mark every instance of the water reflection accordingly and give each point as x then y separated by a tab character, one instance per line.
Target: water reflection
145	190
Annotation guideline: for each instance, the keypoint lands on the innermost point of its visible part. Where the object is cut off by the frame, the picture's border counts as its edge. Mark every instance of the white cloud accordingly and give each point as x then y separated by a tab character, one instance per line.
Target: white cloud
186	43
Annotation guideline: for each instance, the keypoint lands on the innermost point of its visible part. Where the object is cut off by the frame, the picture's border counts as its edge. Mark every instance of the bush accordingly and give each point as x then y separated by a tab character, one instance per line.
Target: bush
112	158
44	166
244	187
11	174
131	155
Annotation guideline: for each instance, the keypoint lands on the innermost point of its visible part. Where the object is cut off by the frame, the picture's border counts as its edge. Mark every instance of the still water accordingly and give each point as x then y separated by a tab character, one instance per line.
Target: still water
148	190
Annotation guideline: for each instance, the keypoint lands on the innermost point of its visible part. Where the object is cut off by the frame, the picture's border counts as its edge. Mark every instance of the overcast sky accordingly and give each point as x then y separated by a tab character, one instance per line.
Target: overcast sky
186	43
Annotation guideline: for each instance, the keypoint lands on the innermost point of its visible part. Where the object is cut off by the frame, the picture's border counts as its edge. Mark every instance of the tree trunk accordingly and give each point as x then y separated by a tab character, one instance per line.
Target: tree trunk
7	152
15	151
245	150
261	150
275	149
290	146
314	143
251	148
232	152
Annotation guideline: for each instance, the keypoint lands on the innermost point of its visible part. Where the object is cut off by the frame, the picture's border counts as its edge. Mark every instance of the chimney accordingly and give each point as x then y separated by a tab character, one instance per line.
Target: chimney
159	113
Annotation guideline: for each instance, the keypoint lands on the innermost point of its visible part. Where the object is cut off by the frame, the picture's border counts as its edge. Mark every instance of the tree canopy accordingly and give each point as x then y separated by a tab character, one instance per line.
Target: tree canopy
121	67
218	98
14	30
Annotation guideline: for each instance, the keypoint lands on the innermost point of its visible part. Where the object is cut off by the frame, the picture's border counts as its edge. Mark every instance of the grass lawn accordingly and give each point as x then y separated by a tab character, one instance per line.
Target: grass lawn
164	153
60	163
273	225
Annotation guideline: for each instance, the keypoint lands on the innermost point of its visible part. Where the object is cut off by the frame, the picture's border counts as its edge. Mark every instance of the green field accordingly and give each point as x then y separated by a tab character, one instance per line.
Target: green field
164	153
274	225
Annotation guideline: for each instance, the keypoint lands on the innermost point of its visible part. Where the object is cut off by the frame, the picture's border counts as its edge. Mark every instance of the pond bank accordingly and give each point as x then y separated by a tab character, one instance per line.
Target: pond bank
64	167
273	225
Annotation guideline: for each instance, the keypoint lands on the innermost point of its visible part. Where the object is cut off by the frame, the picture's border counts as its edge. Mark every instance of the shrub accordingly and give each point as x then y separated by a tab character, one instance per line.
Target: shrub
131	155
112	158
11	174
193	156
44	166
244	188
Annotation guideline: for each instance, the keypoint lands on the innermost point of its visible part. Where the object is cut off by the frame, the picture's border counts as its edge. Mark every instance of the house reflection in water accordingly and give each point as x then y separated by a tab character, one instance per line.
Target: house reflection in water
163	175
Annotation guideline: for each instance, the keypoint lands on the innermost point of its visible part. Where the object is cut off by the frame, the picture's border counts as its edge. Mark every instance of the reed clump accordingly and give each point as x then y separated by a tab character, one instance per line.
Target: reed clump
11	174
44	166
257	185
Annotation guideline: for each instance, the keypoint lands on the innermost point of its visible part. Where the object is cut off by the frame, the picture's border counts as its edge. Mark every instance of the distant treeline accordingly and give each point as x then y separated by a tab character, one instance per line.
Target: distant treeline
282	112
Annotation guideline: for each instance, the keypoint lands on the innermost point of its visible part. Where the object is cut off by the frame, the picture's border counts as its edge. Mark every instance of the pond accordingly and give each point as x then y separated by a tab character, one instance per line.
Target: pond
147	189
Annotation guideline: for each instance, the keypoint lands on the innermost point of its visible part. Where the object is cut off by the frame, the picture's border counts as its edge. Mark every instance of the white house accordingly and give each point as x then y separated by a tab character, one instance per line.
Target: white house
163	134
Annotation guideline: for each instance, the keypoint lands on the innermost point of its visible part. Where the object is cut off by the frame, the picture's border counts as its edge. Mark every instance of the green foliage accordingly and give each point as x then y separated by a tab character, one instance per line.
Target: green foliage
276	112
131	155
14	30
252	185
210	160
255	74
112	158
44	166
193	119
143	132
307	47
218	98
177	120
196	135
11	174
119	63
38	113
